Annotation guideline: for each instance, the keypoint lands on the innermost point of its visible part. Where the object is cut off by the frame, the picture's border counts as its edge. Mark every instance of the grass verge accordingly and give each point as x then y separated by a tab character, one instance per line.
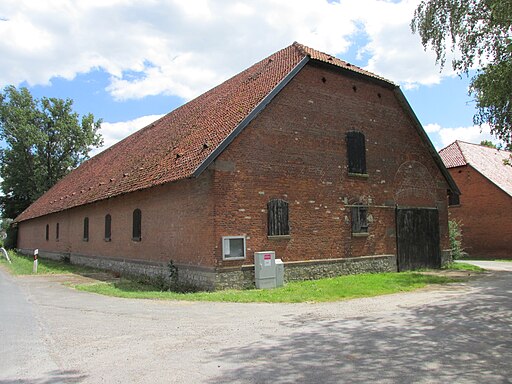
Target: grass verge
463	267
333	289
22	265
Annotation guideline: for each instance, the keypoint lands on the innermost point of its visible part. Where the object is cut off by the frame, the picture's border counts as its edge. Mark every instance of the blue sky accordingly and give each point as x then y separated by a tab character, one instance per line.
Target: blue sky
128	62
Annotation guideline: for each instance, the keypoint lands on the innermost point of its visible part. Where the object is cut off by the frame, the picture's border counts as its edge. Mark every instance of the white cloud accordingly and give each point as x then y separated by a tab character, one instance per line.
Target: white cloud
444	136
183	48
113	132
158	47
394	52
432	128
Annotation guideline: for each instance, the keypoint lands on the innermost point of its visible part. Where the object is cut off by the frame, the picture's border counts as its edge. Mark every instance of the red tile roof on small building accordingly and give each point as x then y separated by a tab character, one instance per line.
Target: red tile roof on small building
184	142
487	161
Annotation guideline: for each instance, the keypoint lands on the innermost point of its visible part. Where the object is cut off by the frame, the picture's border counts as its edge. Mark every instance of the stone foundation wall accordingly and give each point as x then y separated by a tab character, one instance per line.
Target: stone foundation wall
123	267
233	278
310	270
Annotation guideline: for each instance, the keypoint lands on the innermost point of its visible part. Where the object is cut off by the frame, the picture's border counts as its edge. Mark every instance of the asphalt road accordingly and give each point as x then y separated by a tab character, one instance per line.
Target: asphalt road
459	333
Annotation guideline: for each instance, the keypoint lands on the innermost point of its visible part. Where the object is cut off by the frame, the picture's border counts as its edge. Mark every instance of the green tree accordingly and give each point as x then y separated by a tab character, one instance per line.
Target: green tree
44	140
488	143
479	33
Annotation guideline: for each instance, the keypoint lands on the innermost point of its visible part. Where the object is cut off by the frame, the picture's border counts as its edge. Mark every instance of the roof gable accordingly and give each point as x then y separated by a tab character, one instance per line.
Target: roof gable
487	161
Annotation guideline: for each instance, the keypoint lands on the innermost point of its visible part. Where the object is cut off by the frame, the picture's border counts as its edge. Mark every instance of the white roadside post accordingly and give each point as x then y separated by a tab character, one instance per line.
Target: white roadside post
36	252
6	255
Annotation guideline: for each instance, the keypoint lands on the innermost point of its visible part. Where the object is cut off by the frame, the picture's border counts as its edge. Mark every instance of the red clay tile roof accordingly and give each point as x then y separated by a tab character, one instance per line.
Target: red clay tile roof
487	161
179	144
452	156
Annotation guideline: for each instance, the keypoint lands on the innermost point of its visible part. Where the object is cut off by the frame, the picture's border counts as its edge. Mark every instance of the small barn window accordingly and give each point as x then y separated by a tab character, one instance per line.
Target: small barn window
360	219
108	227
86	229
137	225
47	232
278	218
356	152
57	231
453	198
233	247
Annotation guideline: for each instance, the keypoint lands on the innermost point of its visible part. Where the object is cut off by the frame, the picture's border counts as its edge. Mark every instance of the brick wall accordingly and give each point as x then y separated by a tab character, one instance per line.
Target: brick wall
176	224
486	215
295	150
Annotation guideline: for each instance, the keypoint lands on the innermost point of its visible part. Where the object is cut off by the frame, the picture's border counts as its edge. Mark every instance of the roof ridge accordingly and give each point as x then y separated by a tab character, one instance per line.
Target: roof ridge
485	147
300	47
461	152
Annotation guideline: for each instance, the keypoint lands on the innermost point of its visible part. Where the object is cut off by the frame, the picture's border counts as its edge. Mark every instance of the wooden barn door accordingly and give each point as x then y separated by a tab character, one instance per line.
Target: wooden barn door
417	238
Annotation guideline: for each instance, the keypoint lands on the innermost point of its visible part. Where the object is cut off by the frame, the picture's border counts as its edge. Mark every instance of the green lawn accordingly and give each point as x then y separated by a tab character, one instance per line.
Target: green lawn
333	289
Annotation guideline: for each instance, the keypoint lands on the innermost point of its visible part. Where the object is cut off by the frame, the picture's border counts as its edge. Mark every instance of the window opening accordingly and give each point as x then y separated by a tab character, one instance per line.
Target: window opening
360	219
356	151
86	229
453	198
108	227
278	218
137	225
233	247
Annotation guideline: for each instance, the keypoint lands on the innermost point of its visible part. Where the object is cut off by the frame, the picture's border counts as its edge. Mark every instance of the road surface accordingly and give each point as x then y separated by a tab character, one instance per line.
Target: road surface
460	333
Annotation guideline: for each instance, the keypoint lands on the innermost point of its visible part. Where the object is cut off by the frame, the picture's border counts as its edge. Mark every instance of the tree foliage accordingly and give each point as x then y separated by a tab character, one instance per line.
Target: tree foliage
44	140
479	33
488	143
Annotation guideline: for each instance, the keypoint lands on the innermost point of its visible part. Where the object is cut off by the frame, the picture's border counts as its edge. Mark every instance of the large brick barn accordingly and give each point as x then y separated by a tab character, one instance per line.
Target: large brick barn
484	209
302	153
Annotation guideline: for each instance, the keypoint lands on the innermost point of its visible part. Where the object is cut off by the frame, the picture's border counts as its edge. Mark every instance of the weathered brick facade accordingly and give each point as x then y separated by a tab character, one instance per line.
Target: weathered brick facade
295	150
484	208
485	212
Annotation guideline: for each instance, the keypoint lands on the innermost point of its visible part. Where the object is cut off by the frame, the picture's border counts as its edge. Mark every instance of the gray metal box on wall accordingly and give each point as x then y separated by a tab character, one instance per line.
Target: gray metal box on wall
265	269
279	273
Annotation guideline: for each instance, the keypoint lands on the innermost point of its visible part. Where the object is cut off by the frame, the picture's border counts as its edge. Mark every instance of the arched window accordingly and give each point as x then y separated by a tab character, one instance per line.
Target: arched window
278	218
86	229
108	227
137	225
356	152
47	232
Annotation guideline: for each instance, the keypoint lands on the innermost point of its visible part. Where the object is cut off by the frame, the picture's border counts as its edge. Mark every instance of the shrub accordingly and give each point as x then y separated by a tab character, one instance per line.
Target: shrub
455	234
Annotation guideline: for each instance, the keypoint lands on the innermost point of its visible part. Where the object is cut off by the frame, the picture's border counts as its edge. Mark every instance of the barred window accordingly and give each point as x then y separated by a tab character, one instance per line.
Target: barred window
278	218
